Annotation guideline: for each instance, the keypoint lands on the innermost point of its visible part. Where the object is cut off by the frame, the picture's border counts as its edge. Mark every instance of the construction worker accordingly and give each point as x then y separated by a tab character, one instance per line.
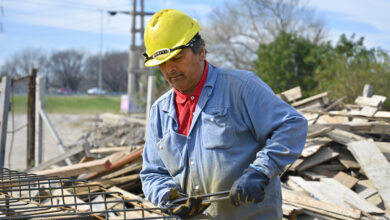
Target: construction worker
216	130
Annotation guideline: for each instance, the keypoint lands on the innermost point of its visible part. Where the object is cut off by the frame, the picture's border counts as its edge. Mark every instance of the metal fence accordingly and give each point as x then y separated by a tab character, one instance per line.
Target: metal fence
30	196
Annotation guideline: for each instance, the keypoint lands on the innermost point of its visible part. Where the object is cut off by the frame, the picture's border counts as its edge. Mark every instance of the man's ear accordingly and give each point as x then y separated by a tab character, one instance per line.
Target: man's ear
202	54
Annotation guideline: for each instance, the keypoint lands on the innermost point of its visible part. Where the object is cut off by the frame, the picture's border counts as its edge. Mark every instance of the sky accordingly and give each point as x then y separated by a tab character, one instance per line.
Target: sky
85	24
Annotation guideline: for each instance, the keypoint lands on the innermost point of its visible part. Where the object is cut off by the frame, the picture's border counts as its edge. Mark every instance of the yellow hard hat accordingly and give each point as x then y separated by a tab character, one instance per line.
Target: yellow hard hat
166	34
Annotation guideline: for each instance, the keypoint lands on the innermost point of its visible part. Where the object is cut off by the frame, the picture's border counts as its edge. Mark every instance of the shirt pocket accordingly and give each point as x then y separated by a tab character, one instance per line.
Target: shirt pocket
170	153
217	130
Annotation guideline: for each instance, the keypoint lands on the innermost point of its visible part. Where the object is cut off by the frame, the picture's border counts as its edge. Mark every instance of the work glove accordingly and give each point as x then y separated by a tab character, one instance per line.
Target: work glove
192	207
250	187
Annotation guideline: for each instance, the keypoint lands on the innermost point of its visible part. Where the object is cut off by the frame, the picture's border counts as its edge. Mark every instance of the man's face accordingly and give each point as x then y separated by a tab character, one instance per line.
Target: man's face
183	71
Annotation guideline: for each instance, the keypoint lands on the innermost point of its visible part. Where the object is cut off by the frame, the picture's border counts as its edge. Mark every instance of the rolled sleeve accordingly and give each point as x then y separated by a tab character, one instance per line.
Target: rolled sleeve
276	125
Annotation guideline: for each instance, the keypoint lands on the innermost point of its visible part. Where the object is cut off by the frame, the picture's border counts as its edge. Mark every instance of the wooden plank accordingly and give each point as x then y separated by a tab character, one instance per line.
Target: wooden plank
296	187
329	190
61	197
367	111
137	201
343	137
324	172
291	94
346	180
116	181
69	152
136	165
378	128
382	114
310	117
313	175
26	207
296	163
374	101
134	199
368	192
320	132
320	207
114	149
313	105
346	196
312	146
310	99
332	167
385	148
348	161
77	169
321	156
290	210
327	119
376	200
311	114
375	165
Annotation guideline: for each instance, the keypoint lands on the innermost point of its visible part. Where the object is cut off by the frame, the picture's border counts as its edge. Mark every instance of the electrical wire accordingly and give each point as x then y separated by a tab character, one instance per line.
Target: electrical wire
18	129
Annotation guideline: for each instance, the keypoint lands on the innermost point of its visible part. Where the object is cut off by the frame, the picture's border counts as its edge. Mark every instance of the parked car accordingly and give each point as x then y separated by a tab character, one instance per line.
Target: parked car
65	90
96	91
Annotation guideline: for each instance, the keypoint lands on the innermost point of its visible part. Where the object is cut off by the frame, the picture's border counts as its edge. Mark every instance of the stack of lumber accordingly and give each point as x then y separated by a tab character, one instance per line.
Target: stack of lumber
344	169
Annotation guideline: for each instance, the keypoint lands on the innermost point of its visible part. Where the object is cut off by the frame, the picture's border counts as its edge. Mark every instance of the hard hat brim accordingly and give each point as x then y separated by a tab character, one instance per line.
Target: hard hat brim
159	60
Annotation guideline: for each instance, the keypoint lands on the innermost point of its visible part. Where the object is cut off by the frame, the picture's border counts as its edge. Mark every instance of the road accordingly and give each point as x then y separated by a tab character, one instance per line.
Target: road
69	127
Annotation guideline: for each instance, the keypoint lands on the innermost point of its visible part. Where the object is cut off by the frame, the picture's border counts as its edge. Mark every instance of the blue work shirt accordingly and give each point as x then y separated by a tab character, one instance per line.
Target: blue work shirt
238	122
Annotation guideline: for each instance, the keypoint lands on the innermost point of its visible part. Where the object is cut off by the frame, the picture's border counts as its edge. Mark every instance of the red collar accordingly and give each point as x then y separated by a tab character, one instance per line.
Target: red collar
182	98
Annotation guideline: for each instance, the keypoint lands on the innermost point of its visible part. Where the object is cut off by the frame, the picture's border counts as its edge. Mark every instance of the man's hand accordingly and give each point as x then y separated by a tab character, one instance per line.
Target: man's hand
249	187
191	208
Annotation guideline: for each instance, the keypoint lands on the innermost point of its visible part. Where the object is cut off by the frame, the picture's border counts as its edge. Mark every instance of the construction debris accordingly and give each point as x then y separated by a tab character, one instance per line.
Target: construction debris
342	173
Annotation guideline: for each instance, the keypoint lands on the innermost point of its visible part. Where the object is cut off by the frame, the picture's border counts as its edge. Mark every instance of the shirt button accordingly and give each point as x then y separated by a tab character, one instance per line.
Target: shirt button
161	147
211	119
196	187
192	97
191	162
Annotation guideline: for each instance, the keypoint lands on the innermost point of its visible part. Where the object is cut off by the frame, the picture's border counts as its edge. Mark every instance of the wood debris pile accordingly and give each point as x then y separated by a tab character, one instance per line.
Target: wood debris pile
342	173
344	170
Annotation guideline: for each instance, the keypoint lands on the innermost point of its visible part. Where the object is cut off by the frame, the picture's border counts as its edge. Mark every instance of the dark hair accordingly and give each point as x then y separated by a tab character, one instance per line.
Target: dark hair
197	44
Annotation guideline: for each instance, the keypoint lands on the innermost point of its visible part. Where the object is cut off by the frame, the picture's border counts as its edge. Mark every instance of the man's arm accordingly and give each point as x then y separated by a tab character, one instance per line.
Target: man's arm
156	180
275	124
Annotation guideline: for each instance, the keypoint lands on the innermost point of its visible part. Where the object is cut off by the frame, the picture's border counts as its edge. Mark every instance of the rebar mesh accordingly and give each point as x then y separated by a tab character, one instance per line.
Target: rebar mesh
30	196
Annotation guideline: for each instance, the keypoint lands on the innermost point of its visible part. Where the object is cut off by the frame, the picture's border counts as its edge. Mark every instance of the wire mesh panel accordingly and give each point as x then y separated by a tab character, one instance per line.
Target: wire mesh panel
30	196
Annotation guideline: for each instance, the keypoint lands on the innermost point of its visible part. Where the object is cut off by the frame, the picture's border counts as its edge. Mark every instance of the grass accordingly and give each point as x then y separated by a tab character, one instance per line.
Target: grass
72	104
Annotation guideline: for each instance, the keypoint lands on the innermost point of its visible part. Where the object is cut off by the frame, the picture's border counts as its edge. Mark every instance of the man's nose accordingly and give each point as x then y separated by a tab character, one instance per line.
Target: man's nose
170	66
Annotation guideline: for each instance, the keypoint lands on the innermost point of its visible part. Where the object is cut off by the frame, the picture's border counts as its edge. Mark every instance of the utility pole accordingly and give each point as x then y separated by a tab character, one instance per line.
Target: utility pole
100	77
136	66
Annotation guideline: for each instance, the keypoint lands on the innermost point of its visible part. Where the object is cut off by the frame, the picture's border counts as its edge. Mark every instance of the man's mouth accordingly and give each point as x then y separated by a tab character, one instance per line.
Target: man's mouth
176	77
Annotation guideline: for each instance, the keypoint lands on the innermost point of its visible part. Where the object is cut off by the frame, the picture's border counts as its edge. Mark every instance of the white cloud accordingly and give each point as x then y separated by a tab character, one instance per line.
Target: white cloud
70	15
374	13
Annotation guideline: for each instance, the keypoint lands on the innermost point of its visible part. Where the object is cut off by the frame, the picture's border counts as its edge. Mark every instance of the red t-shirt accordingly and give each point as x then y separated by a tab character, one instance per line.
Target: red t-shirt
185	104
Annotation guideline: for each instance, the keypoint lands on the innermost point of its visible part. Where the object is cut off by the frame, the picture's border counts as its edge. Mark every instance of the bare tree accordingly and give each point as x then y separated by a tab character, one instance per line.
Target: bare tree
114	71
236	30
67	68
20	63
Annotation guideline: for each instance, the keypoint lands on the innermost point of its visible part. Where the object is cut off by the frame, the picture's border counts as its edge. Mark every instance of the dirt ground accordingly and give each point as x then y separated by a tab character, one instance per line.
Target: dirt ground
69	127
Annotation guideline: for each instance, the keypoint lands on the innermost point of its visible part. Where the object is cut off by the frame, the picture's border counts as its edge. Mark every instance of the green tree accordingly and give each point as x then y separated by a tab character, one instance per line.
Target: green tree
350	66
290	61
